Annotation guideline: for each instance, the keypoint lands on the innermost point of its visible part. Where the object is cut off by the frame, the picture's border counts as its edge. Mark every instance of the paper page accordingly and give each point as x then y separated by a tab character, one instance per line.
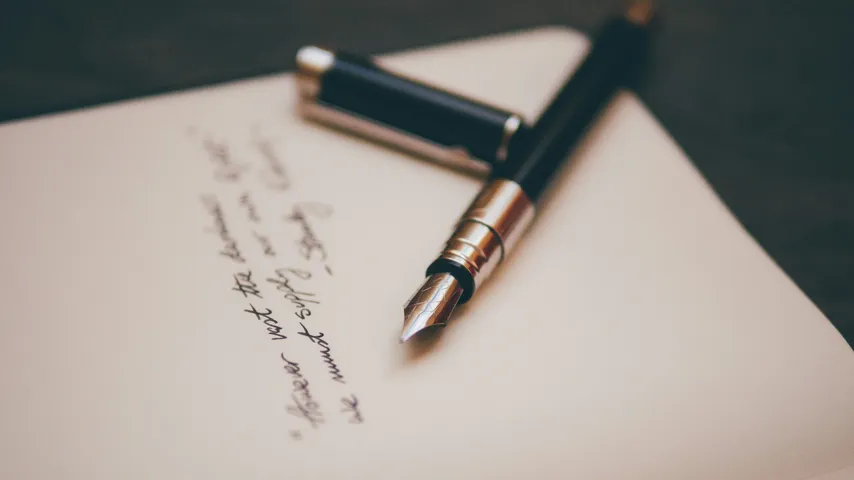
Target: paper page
844	474
201	285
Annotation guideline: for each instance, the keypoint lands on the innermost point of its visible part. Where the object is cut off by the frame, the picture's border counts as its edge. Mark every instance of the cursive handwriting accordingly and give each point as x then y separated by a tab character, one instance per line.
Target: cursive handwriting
298	299
251	211
243	283
220	228
225	168
310	247
275	176
351	405
324	352
273	327
266	244
305	406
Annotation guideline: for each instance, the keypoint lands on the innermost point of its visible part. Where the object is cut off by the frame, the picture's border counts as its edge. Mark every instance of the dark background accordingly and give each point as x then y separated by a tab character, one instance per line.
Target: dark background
756	91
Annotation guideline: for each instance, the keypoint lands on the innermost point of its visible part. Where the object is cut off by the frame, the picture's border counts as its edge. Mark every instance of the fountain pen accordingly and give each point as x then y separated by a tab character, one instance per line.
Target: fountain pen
505	207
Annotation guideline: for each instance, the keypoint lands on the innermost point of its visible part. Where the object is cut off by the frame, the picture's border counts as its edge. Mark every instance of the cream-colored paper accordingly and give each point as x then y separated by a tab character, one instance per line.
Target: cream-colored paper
637	333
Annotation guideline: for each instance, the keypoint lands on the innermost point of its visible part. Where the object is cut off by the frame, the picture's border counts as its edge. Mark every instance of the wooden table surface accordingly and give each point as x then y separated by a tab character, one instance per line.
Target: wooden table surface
758	92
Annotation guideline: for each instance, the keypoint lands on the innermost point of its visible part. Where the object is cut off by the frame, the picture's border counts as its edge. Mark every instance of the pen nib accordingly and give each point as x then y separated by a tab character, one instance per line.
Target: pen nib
432	305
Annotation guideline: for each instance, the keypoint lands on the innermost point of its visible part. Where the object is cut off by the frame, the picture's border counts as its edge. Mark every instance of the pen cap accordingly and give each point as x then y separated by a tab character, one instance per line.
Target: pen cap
357	95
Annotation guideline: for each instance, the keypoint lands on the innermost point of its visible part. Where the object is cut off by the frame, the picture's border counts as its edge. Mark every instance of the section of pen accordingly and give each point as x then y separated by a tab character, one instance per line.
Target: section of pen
357	95
506	205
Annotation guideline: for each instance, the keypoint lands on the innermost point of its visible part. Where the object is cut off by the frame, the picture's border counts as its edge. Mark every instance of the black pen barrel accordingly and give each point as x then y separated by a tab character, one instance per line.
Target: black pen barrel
614	55
504	208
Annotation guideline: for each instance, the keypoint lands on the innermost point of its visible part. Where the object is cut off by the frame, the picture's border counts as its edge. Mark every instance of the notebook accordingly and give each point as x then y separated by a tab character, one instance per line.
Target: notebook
203	285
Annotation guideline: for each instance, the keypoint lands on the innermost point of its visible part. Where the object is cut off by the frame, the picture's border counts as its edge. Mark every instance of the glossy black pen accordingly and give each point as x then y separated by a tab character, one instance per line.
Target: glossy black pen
505	207
357	94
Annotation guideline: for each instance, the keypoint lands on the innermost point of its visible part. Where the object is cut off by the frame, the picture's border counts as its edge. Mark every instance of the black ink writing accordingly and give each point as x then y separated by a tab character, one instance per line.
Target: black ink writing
266	244
310	247
351	406
243	283
304	406
220	228
275	176
273	327
226	169
300	300
251	211
299	273
334	371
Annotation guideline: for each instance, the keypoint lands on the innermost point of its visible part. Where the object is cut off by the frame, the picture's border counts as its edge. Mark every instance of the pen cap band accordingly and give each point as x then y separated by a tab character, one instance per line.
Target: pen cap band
356	94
